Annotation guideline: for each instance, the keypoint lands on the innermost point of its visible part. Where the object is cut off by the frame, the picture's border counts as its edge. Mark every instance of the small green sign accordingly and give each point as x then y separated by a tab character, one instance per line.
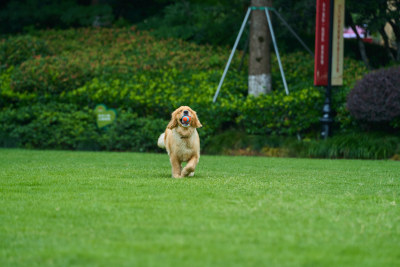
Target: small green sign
104	116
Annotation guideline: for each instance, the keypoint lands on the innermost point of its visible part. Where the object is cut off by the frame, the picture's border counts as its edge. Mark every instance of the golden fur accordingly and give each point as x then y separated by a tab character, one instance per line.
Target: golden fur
182	143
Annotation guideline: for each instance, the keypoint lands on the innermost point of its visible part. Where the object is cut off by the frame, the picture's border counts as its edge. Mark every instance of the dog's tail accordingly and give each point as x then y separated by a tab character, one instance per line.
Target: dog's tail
160	141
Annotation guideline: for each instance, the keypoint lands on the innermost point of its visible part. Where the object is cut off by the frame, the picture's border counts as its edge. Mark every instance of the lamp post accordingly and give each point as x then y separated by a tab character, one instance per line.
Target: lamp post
327	116
328	68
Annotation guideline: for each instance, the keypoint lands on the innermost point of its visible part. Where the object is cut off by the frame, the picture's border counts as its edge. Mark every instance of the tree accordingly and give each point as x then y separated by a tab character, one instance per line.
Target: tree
374	14
394	21
260	56
361	46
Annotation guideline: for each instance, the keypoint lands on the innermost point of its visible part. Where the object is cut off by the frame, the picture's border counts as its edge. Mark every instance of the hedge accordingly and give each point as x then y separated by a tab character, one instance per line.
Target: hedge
67	126
145	79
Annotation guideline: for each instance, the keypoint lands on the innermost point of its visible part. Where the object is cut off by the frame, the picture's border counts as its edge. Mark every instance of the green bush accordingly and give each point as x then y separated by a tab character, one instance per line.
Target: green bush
51	75
132	133
281	114
67	126
16	50
352	145
145	79
355	145
233	140
352	72
160	92
86	53
8	97
48	126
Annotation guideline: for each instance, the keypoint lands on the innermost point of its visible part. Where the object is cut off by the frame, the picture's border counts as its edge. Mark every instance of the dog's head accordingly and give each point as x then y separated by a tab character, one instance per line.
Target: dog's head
178	120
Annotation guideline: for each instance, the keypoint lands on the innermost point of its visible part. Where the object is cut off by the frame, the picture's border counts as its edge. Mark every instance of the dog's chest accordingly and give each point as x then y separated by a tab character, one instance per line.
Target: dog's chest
184	147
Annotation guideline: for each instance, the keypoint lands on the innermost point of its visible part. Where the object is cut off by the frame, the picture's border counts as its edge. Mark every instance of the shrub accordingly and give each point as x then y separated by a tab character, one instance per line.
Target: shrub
67	126
233	140
60	126
51	75
107	53
16	50
376	98
145	79
157	93
281	114
9	97
133	134
352	72
351	145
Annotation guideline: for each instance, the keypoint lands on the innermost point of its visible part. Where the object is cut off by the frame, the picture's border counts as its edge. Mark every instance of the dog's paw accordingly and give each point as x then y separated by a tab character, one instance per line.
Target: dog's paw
191	174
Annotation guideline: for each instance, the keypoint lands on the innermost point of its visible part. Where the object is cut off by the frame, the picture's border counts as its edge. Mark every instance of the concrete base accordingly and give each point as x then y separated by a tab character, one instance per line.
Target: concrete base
259	84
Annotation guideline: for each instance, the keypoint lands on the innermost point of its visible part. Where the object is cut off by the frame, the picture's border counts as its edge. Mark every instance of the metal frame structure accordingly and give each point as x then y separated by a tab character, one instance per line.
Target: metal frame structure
266	9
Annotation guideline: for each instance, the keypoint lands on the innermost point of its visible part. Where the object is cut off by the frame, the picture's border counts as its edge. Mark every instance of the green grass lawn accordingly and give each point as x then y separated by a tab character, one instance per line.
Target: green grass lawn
123	209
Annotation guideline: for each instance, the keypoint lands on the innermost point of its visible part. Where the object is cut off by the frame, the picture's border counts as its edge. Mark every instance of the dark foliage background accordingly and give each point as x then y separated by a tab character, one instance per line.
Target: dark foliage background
26	15
204	22
59	59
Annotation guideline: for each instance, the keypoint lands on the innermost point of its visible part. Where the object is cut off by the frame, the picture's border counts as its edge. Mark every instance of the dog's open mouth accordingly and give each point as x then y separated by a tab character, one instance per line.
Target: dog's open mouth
185	121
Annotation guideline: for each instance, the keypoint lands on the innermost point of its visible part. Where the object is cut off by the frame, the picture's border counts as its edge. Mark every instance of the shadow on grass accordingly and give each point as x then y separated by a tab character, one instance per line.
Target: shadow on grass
169	176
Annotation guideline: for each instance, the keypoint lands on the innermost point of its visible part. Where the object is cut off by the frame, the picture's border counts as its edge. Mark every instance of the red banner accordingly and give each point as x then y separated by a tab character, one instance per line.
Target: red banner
322	42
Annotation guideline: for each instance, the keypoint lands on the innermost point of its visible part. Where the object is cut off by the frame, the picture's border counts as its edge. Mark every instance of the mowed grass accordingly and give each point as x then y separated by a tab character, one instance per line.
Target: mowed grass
122	209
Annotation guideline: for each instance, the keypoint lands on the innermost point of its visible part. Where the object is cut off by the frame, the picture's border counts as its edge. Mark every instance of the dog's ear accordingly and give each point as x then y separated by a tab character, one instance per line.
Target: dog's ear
173	123
196	122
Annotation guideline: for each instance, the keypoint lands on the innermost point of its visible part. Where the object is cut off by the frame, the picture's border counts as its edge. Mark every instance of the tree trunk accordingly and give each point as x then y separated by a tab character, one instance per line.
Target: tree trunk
396	30
386	43
361	45
260	56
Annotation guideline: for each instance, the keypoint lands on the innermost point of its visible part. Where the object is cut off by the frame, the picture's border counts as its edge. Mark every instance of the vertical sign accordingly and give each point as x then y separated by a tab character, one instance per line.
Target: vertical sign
322	30
337	43
322	42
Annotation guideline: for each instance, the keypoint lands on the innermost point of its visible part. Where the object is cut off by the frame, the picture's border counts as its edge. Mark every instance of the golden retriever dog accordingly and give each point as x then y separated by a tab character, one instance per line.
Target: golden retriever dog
182	141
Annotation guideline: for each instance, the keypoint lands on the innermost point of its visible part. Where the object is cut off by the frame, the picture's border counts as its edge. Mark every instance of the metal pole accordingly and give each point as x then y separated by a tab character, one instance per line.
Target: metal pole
232	53
276	50
327	119
293	32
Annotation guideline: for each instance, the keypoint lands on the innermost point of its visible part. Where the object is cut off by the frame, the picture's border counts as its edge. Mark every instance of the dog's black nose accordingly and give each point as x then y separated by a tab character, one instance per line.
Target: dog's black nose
185	113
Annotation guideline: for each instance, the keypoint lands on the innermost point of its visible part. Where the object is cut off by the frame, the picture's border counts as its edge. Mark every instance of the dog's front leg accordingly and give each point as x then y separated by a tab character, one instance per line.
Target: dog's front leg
190	166
176	167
